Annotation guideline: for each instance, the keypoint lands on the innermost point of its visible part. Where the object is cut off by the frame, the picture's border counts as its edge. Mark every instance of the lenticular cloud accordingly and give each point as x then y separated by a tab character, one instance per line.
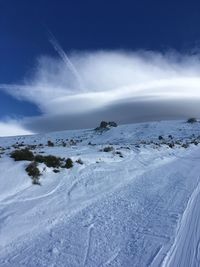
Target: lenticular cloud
87	82
108	77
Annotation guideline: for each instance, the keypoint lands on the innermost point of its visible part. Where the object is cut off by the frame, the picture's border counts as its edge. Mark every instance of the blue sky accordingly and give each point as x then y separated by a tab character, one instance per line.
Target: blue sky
166	28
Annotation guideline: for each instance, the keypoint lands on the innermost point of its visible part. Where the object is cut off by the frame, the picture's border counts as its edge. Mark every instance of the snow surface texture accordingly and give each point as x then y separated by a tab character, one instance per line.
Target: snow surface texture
138	207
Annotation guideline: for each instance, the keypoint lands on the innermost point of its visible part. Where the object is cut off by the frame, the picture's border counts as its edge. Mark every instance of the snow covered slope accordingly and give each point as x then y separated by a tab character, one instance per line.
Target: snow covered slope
136	205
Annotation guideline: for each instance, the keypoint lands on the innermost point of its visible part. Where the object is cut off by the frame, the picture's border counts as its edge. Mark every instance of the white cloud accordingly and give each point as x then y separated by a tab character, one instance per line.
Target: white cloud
107	78
12	128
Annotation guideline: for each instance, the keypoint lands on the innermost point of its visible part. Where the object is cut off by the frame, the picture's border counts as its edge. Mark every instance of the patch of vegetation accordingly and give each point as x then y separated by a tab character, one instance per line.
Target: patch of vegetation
72	142
185	145
90	144
22	154
195	142
39	158
138	146
191	120
79	161
68	163
108	149
50	143
171	145
64	144
119	153
33	171
49	161
56	170
2	150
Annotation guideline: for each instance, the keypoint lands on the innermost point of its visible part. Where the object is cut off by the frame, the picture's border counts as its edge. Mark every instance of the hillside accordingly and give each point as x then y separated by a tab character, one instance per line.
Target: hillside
130	199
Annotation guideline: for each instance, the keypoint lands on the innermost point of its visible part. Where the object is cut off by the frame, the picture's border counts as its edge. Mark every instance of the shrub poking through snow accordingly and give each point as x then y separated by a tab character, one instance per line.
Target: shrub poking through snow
39	159
79	161
49	143
160	137
68	164
22	154
185	145
191	120
52	161
49	161
56	170
72	142
120	154
171	145
108	149
64	144
33	171
90	144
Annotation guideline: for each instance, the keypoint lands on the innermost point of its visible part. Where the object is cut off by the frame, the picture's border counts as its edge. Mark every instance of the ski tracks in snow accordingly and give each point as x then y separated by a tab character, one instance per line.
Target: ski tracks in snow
185	250
90	229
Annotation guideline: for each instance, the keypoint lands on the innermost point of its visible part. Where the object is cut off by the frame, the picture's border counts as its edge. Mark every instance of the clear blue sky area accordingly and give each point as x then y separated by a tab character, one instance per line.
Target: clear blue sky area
88	25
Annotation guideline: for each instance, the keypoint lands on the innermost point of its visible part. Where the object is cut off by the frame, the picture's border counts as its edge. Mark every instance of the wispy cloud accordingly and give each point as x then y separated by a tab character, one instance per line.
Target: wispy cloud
86	82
